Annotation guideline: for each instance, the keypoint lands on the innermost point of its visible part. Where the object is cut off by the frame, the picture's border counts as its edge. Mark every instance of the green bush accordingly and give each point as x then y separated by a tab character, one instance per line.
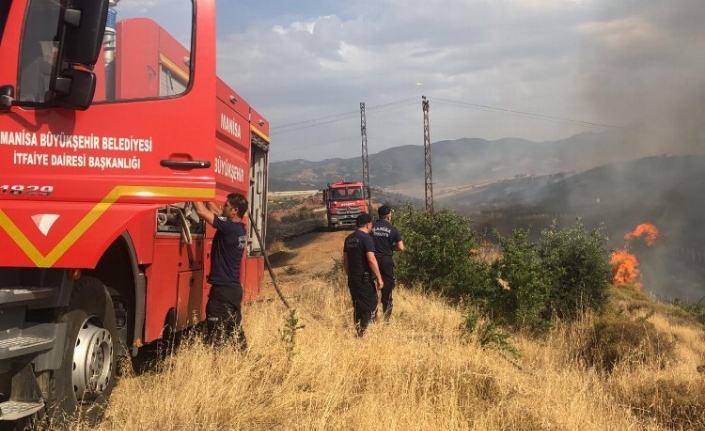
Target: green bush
697	310
565	273
522	284
440	252
577	262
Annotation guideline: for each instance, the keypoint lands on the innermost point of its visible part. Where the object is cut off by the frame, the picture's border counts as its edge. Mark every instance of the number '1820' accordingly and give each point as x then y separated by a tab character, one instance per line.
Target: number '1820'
20	189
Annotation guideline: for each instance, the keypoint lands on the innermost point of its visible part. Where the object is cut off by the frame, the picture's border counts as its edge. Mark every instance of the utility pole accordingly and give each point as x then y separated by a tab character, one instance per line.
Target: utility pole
427	155
365	164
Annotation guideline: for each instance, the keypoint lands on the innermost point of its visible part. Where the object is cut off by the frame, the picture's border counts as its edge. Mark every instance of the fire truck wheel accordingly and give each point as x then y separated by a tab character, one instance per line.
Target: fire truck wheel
80	388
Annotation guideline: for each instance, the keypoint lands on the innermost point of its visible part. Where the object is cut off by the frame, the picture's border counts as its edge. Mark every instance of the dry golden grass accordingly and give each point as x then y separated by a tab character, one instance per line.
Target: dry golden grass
419	372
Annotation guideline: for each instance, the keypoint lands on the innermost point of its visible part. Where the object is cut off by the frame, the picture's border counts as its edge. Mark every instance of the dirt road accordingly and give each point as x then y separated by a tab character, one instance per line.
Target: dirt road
303	258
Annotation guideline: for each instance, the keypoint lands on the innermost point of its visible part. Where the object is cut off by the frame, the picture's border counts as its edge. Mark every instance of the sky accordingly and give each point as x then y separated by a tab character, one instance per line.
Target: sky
490	68
534	69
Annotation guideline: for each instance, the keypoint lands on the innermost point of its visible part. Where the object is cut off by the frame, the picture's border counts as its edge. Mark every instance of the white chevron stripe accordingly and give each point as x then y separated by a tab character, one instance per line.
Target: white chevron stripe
44	222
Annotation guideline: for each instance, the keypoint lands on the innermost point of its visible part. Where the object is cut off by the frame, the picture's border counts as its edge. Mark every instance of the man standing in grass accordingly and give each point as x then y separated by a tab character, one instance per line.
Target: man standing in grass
387	239
360	266
224	307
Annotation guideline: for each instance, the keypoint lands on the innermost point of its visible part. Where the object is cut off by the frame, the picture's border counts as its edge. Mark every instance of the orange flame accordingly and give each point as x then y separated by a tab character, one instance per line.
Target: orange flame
625	266
625	269
644	229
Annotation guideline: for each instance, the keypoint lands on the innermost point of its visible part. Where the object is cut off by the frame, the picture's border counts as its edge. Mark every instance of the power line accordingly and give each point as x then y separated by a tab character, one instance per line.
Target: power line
404	102
349	115
383	108
321	121
309	123
312	123
286	150
522	113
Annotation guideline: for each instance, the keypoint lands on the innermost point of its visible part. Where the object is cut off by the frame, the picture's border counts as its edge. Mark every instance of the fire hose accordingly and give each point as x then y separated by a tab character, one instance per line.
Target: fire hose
269	266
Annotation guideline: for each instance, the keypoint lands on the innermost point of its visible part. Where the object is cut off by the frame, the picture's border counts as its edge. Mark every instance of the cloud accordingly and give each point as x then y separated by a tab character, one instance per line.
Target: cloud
584	60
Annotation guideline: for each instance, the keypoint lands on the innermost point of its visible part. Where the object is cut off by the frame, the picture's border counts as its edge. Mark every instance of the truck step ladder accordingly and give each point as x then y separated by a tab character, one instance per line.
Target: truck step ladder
24	344
9	295
13	410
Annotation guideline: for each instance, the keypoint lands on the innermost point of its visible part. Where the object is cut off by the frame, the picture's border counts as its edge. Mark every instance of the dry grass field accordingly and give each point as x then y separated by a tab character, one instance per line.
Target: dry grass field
421	371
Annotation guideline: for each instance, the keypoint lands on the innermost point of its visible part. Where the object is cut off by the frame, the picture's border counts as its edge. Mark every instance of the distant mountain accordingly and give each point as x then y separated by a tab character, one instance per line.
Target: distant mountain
619	179
665	190
471	161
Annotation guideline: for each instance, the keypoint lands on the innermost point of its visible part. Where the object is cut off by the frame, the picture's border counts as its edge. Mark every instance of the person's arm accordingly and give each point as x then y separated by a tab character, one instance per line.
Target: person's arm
214	208
345	263
399	246
372	260
204	212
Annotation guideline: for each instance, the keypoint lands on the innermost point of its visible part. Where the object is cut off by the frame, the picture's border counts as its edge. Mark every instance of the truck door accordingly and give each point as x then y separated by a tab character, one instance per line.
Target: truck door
254	261
145	142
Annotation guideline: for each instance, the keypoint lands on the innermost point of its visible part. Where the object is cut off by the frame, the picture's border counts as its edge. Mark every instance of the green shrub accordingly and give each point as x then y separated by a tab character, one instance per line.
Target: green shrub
488	333
697	310
565	273
522	284
577	262
440	251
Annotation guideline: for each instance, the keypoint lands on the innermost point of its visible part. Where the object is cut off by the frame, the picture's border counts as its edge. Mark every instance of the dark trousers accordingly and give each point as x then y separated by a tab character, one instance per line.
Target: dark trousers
364	298
224	315
386	268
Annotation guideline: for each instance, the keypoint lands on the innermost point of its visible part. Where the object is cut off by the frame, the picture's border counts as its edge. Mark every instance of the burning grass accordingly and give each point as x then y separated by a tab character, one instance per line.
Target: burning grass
625	265
421	371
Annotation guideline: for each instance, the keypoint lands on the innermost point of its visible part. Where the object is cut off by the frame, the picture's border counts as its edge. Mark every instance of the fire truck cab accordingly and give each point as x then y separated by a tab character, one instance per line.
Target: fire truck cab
112	121
344	201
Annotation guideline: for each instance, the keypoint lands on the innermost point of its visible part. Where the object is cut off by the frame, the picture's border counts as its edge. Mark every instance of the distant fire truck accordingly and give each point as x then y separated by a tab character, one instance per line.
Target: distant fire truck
108	130
344	201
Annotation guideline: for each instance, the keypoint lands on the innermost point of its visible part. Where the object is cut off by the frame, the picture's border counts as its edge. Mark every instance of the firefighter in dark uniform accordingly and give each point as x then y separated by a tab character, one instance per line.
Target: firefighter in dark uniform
361	268
387	239
224	307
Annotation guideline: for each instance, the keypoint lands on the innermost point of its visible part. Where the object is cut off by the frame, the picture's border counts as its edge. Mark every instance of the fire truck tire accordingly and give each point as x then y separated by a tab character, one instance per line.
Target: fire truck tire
80	388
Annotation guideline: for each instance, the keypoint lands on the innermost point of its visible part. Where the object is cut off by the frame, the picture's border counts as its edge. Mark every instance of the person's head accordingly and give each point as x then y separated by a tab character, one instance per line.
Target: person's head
385	213
235	206
364	222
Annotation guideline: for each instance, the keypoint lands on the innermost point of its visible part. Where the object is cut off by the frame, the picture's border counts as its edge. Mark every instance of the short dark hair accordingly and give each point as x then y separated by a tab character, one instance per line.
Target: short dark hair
384	211
363	219
238	201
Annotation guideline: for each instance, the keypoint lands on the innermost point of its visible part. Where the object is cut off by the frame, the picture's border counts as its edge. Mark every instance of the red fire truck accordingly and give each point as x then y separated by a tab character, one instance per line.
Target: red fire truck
344	201
108	130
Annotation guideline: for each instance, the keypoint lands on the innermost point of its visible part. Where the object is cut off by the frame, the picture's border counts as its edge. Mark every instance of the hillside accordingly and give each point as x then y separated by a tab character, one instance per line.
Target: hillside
665	191
422	370
477	161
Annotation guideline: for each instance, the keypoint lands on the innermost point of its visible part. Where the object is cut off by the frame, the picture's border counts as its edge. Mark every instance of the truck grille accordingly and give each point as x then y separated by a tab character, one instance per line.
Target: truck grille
349	210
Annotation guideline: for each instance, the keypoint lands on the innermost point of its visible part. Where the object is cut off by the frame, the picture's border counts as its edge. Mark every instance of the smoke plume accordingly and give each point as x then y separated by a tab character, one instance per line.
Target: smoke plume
645	70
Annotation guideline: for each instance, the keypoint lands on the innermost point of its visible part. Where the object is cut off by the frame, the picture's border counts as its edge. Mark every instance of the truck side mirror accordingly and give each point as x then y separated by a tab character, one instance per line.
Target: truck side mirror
75	89
7	95
85	25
